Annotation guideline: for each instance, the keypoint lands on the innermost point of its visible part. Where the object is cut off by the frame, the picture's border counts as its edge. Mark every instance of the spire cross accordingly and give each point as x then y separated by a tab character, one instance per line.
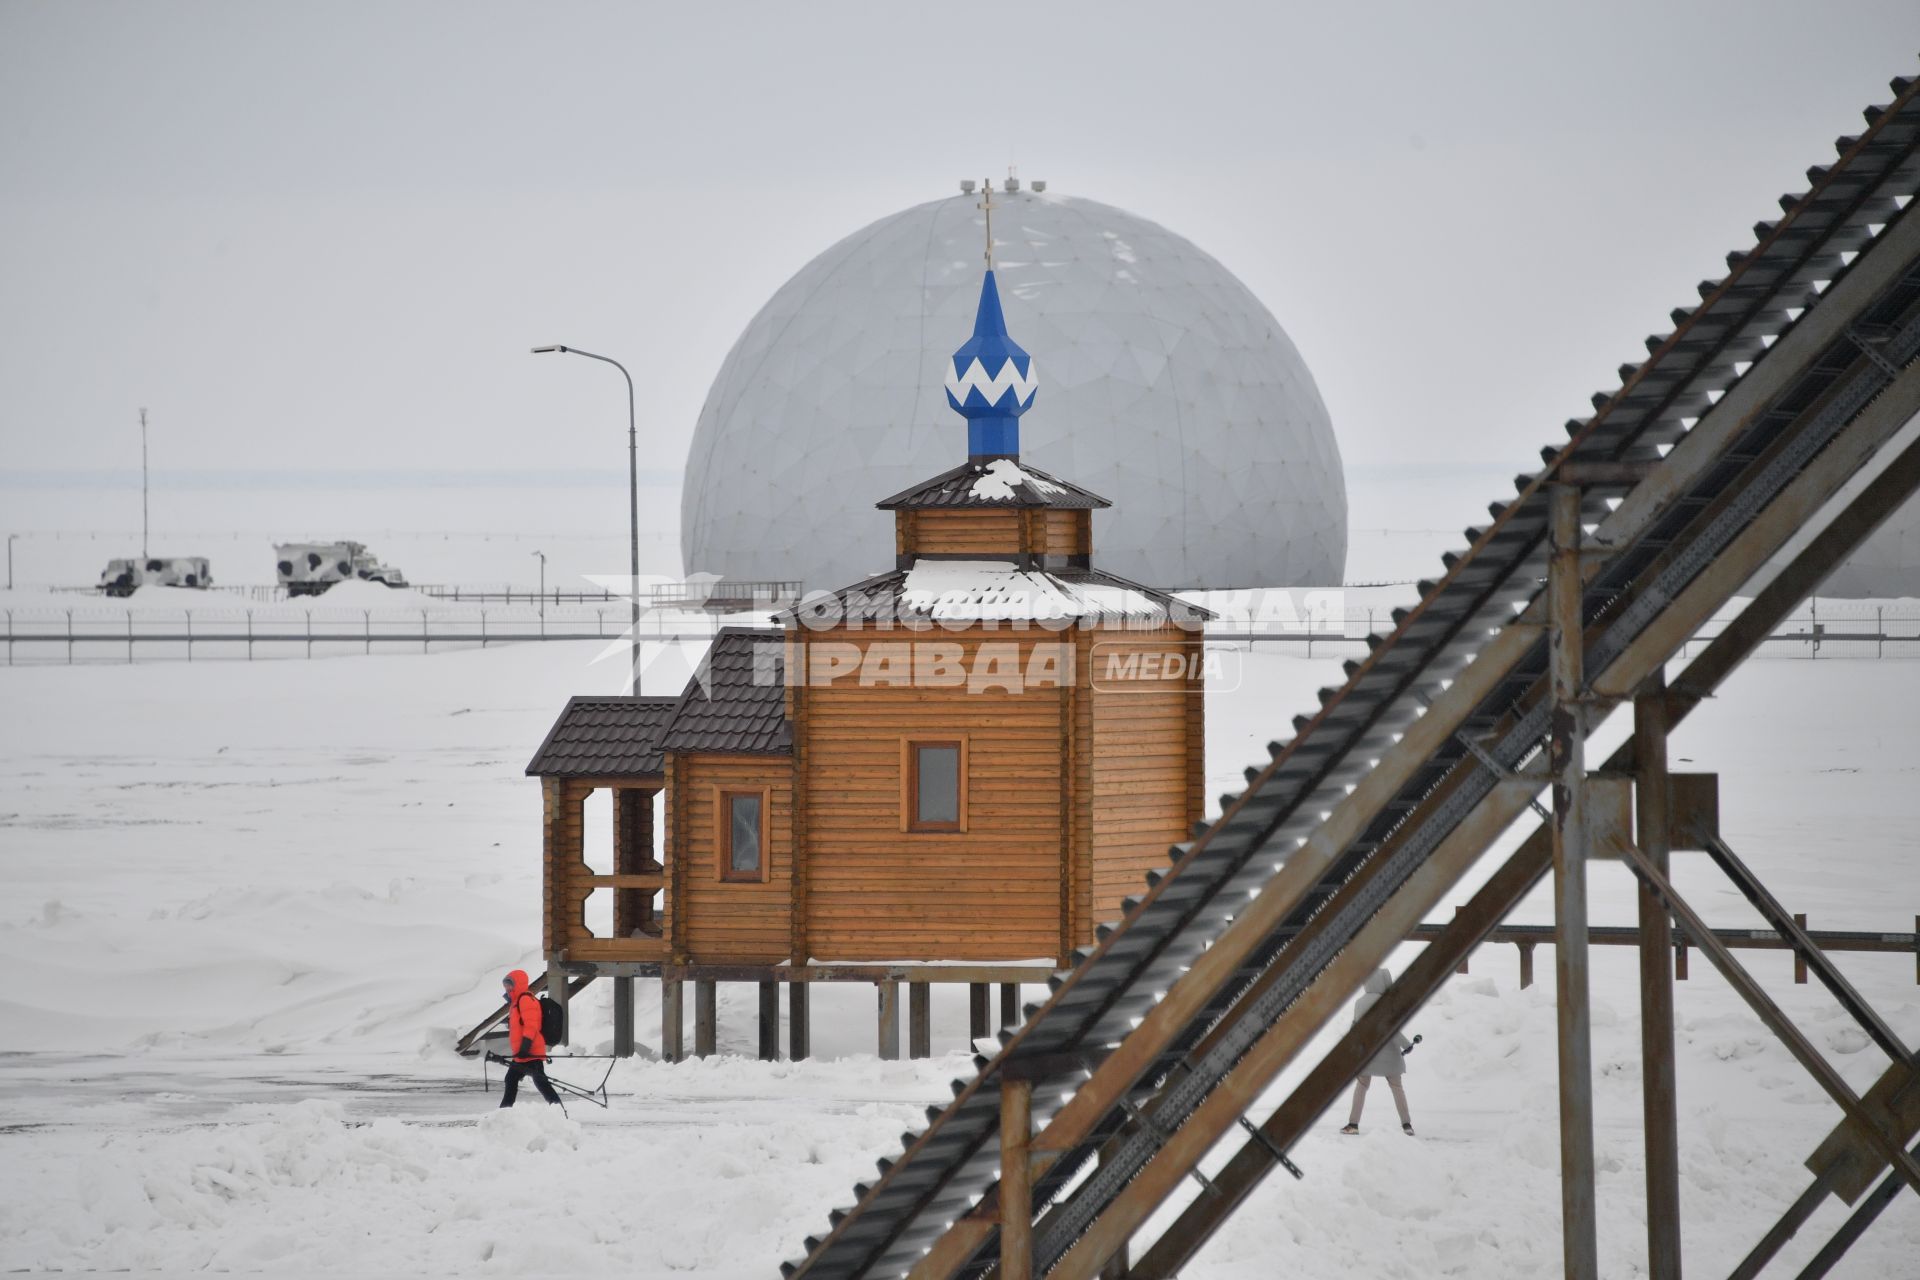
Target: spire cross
987	206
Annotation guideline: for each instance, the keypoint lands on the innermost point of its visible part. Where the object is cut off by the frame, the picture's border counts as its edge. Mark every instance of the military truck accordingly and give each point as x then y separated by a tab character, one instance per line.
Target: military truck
309	568
124	577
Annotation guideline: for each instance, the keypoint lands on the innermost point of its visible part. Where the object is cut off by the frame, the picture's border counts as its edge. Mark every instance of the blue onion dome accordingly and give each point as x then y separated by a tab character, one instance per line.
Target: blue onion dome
991	382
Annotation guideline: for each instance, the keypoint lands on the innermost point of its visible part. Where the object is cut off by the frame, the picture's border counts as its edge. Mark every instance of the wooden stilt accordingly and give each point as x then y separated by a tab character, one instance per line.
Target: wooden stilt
1009	1004
1566	763
769	1022
673	1045
1800	961
706	1021
1526	965
1016	1180
1463	960
1658	1080
919	1021
623	1017
979	997
889	1020
557	988
799	1036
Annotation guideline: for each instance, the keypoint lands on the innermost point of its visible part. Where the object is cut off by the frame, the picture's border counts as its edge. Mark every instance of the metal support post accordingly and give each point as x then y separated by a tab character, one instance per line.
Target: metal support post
673	1045
1659	1107
623	1017
889	1020
1016	1180
1568	767
706	1018
769	1022
799	1030
919	1021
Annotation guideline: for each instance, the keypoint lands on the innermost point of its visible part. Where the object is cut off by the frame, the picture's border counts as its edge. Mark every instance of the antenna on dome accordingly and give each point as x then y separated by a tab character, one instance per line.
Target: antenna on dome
988	206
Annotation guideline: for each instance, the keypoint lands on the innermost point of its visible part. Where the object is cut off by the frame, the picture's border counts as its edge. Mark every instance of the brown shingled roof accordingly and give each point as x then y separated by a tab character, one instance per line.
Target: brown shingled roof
604	737
738	699
956	488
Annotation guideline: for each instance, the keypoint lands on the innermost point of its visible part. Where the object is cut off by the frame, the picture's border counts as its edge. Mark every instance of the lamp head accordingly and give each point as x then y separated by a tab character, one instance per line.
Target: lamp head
543	350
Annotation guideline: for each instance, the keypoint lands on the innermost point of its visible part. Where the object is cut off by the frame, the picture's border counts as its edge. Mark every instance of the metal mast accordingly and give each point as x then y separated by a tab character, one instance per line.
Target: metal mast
143	484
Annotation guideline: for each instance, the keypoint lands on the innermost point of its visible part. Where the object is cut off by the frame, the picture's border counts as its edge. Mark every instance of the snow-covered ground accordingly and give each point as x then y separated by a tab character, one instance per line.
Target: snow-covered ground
247	907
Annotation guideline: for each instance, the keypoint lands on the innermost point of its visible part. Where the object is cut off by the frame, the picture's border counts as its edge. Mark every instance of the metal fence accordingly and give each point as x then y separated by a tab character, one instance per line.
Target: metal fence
1822	630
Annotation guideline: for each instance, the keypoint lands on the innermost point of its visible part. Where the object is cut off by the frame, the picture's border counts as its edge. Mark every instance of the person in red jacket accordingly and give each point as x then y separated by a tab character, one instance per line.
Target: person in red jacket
524	1038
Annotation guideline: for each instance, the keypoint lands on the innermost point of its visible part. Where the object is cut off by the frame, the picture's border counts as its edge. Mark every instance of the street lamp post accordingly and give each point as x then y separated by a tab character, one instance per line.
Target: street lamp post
10	538
543	588
633	493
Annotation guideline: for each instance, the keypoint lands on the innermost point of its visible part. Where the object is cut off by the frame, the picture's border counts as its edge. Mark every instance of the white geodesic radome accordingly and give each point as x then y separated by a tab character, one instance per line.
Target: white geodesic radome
1165	386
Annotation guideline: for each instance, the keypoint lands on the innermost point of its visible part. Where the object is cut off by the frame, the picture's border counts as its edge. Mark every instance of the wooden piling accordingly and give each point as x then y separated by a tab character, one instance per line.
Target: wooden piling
673	1045
1800	961
623	1017
799	1032
1526	965
979	997
706	1019
919	1020
769	1022
1009	1004
557	988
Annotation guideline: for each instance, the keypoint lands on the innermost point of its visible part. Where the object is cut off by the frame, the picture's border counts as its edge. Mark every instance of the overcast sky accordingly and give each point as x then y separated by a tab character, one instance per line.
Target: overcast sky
325	235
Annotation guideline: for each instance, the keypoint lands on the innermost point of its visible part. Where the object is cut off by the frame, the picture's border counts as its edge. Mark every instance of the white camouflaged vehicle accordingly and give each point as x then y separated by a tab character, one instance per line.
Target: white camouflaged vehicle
124	577
309	568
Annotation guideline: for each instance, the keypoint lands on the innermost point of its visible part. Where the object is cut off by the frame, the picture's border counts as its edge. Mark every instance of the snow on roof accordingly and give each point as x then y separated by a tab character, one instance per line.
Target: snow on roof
996	483
994	590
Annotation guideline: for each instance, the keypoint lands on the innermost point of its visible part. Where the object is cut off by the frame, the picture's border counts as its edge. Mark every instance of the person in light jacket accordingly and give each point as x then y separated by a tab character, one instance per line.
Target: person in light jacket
1390	1062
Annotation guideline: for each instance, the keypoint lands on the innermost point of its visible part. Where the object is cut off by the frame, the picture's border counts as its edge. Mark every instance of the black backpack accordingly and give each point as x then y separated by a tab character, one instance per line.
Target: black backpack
553	1021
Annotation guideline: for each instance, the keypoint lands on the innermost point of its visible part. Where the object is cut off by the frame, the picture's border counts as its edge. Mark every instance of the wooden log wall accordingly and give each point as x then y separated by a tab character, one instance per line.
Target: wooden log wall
1001	531
634	910
967	531
732	920
991	892
1147	737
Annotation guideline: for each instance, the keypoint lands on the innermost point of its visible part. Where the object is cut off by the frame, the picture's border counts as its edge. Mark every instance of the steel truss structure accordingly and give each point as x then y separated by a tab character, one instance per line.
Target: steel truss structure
1793	374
